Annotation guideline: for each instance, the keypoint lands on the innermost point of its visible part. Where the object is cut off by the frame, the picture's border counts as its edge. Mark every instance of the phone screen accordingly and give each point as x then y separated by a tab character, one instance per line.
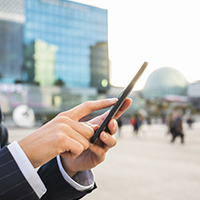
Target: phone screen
121	98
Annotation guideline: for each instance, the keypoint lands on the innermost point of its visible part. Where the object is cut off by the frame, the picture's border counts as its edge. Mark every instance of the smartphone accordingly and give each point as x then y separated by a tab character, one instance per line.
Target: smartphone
121	98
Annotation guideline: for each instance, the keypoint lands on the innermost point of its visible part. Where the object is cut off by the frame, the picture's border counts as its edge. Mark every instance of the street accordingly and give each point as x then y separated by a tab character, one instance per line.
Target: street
146	166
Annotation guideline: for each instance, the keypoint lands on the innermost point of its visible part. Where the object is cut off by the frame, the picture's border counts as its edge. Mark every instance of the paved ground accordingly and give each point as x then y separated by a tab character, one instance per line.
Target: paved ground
147	166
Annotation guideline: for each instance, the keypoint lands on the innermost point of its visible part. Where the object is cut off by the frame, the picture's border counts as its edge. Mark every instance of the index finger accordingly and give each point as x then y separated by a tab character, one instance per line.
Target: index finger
87	107
123	108
99	119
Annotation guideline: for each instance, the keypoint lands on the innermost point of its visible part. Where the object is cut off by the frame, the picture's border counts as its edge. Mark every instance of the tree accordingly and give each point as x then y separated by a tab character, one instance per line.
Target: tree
59	83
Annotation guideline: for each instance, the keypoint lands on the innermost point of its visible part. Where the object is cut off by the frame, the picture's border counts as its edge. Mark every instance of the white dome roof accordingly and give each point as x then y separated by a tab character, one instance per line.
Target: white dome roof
165	81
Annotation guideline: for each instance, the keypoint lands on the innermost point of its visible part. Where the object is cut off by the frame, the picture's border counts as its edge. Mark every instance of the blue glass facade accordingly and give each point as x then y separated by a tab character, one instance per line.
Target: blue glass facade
71	28
11	40
11	51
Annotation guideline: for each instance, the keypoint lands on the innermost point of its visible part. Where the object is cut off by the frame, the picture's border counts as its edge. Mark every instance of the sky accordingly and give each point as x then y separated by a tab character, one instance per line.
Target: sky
165	33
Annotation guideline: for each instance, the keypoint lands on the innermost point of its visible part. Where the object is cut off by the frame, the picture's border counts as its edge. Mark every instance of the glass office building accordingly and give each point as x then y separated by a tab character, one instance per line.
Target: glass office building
11	39
52	42
69	29
99	66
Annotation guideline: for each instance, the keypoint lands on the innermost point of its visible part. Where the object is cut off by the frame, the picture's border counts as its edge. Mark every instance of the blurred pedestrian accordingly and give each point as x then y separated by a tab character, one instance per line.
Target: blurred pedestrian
170	124
190	121
177	127
135	122
149	121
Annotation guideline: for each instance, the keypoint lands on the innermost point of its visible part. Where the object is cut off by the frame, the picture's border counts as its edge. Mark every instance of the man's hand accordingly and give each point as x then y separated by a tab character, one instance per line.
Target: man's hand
96	153
63	135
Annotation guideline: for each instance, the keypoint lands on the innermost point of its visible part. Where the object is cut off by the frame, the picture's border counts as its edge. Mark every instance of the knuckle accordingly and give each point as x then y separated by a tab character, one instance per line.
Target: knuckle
114	142
59	127
79	148
59	142
88	104
63	114
86	145
89	131
101	154
60	138
60	114
62	119
60	132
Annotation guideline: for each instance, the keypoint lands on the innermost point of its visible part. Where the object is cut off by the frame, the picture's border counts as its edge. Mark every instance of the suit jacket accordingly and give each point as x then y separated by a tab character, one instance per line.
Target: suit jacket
3	135
3	132
13	185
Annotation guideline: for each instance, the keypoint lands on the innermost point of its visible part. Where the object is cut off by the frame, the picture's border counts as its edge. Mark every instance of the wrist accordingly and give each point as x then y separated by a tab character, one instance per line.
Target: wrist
70	172
22	144
82	180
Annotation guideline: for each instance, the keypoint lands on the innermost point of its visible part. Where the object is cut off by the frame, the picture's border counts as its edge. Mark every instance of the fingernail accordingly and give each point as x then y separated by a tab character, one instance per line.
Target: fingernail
115	124
113	100
105	136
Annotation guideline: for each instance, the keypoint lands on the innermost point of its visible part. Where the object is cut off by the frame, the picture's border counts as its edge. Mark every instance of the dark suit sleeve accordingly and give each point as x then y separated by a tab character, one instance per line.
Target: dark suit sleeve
57	187
13	185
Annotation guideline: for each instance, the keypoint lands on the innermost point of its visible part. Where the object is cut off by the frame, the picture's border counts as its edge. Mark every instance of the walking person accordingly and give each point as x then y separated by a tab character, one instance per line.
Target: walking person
170	124
135	122
177	128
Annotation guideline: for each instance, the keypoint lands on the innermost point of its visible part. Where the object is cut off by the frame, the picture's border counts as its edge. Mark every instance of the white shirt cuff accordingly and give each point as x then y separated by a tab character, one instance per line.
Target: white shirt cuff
81	181
27	169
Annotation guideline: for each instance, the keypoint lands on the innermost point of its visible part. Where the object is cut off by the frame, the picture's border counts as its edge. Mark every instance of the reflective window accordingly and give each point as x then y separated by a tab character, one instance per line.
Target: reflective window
71	29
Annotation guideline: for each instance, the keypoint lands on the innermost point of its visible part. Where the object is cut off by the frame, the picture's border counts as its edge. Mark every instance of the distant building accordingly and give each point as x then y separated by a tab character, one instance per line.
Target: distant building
193	90
39	64
11	40
193	93
70	28
99	64
163	82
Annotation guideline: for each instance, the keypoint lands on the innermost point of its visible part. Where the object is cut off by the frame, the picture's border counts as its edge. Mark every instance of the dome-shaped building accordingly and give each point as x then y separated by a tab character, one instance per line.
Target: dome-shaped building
165	81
